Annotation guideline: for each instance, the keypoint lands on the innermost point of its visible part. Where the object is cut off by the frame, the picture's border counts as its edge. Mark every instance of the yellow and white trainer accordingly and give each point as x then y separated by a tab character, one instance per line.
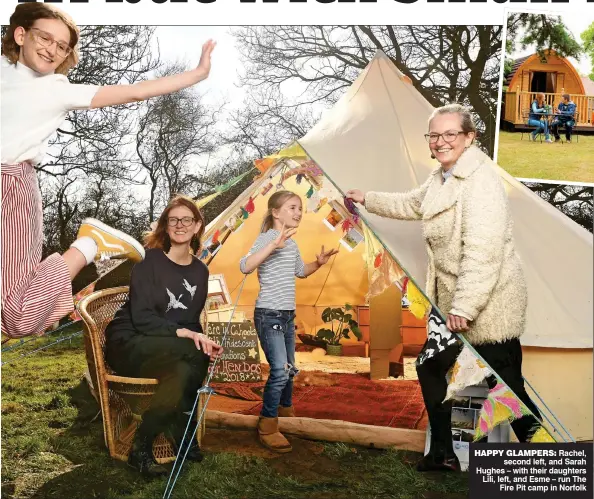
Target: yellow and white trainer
111	243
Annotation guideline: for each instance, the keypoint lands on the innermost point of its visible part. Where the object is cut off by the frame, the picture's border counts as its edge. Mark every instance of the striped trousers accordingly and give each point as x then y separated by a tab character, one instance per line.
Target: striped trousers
35	293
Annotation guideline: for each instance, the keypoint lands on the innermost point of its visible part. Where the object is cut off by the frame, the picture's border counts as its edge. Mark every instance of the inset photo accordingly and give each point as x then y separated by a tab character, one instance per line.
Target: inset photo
352	239
333	220
547	102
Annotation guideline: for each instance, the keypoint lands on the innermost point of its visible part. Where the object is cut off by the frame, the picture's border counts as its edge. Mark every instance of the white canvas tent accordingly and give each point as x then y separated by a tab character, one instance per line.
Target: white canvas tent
372	139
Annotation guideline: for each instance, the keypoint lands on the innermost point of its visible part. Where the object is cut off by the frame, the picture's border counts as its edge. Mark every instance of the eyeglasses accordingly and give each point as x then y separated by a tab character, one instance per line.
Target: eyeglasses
186	221
46	40
448	136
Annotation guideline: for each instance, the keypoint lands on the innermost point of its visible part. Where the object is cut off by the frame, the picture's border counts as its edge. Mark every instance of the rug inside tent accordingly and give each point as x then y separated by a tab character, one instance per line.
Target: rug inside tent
342	396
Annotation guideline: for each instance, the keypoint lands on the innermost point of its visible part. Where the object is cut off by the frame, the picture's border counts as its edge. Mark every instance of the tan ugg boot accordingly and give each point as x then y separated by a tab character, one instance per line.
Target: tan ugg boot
270	437
286	412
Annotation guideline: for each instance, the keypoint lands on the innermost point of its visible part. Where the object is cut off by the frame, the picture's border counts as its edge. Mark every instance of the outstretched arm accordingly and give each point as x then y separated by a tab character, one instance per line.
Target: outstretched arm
321	259
264	246
113	95
400	205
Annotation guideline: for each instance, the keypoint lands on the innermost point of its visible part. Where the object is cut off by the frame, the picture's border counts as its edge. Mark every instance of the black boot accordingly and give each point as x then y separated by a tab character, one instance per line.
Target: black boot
141	457
435	462
441	457
175	432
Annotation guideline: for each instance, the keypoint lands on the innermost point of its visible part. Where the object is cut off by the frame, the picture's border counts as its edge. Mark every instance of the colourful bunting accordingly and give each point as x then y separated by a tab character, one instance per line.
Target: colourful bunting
204	254
467	371
299	178
215	237
244	213
542	436
313	169
350	206
500	406
313	203
419	306
347	225
404	285
250	207
378	260
384	276
86	291
309	193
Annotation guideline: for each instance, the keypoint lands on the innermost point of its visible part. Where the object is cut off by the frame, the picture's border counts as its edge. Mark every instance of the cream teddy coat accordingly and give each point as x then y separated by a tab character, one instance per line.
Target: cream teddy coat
474	270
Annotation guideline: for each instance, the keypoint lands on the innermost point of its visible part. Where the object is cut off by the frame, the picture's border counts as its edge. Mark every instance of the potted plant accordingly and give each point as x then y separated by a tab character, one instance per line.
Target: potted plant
341	324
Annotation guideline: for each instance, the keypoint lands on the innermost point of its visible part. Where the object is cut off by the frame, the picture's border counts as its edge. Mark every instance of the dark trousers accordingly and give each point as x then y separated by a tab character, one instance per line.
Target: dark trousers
504	358
178	365
555	128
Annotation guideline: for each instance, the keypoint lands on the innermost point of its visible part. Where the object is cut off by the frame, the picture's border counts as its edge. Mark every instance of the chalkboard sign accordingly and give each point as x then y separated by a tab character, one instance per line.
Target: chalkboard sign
241	359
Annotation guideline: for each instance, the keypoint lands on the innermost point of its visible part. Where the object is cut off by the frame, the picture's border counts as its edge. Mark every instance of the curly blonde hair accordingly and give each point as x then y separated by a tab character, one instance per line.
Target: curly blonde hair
24	16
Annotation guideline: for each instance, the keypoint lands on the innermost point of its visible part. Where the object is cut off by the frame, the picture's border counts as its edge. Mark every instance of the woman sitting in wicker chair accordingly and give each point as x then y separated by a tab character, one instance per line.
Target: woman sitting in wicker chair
157	332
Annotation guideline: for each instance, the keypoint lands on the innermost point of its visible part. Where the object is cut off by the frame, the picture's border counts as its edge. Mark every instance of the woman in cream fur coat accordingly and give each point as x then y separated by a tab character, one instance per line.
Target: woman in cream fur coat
474	274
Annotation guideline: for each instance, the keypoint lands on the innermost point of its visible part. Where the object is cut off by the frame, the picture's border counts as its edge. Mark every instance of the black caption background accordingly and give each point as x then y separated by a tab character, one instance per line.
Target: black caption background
554	474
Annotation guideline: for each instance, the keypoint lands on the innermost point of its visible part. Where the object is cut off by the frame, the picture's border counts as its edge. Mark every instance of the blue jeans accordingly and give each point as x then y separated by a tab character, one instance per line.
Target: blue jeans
276	331
541	126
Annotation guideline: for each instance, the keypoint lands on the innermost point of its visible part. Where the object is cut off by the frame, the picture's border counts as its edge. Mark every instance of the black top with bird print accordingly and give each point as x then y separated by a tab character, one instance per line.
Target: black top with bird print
164	297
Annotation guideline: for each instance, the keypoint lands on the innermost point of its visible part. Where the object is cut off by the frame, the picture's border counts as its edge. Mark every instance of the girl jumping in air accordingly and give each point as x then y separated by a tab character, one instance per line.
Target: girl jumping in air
277	258
39	48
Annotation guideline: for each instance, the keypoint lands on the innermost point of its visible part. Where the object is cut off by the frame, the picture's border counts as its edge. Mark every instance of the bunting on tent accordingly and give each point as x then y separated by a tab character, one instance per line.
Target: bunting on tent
313	202
207	199
467	371
220	189
419	306
385	274
542	436
294	151
250	207
439	338
500	406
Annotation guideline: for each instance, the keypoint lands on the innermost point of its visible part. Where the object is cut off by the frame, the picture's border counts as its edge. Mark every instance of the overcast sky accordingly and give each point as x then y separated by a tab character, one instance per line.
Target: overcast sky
184	43
577	24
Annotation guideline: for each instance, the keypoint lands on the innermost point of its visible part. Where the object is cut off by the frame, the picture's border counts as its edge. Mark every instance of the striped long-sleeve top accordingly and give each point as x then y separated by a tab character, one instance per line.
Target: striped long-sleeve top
277	273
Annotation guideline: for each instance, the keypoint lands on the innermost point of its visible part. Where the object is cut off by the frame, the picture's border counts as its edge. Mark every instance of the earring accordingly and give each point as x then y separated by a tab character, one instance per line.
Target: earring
432	156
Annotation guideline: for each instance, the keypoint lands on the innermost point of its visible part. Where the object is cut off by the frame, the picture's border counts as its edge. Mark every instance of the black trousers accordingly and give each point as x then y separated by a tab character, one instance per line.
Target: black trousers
504	358
555	129
178	365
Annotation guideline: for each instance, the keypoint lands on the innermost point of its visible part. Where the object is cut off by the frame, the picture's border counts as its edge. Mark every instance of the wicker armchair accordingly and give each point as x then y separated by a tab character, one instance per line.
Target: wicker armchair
123	400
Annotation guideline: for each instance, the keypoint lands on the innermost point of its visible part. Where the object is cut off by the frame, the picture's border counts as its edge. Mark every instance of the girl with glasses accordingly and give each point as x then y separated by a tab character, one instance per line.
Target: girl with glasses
39	48
157	332
474	274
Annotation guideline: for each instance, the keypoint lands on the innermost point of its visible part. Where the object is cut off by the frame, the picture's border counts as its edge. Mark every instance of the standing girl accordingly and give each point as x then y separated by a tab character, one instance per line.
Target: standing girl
39	47
157	332
277	258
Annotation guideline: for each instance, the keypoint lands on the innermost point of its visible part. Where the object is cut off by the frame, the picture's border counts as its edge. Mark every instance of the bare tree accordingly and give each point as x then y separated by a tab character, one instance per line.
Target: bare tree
575	201
445	63
92	149
266	122
109	55
173	131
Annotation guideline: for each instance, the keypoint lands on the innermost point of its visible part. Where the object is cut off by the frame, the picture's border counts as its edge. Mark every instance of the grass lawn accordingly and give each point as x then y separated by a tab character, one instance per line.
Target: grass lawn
558	161
52	447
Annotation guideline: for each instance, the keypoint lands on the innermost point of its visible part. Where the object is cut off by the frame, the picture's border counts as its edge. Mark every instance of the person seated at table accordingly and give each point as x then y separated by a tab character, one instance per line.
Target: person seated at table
538	118
157	333
566	118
